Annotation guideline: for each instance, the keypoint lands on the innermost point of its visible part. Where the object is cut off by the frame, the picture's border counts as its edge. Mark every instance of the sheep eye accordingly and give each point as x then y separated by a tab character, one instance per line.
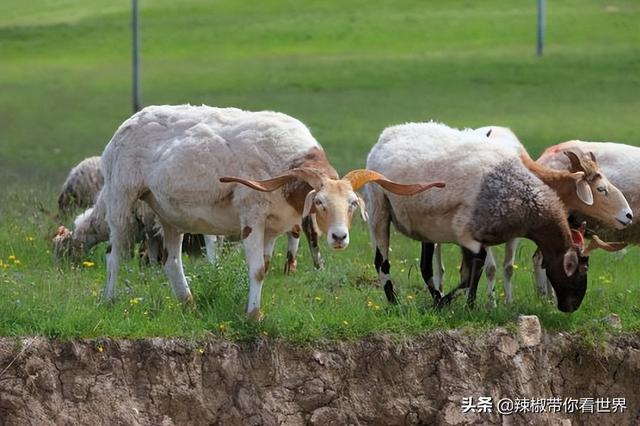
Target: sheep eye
318	202
602	189
354	204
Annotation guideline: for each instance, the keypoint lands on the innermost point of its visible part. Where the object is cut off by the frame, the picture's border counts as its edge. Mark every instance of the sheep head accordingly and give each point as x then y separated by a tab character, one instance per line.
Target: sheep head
598	197
65	246
333	201
575	264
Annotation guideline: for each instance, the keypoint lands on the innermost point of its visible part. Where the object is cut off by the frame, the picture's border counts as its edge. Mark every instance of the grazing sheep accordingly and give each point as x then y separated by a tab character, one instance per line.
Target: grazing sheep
198	169
491	198
582	188
619	162
80	189
91	228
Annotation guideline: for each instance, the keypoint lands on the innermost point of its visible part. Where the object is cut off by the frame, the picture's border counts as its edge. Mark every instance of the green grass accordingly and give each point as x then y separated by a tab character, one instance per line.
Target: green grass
347	69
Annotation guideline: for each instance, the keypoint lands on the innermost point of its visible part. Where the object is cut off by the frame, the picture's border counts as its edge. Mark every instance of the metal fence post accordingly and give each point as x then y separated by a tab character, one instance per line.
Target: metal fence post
541	13
135	30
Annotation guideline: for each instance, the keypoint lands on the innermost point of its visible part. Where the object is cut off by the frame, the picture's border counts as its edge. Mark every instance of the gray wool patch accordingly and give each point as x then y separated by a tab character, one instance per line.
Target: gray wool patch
511	202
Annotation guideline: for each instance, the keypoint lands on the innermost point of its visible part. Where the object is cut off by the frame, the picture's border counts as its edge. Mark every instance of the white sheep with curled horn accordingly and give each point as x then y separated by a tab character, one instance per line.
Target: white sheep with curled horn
226	171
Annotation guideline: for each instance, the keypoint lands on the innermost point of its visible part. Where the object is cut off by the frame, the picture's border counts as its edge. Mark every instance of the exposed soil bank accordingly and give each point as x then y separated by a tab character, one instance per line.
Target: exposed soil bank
374	381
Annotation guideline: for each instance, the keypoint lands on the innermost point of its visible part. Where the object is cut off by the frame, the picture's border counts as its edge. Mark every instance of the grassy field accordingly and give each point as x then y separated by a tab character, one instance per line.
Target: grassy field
347	69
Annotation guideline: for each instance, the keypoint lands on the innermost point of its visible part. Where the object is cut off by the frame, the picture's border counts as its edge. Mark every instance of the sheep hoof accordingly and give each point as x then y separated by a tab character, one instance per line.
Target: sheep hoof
318	264
290	267
444	301
391	295
107	300
255	315
189	303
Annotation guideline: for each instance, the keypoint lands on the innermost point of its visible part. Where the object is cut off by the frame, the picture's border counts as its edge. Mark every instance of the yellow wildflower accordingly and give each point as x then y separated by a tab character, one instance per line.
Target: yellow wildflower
134	301
88	264
515	266
345	323
369	303
264	333
200	351
29	238
317	299
100	348
12	257
409	297
222	327
16	262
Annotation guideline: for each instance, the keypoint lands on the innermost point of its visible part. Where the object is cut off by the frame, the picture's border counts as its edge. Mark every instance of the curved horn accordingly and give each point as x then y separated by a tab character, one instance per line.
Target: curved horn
597	243
358	178
313	177
576	163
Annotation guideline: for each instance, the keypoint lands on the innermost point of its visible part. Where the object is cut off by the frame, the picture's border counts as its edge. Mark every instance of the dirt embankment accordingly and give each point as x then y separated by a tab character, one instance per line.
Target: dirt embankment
374	381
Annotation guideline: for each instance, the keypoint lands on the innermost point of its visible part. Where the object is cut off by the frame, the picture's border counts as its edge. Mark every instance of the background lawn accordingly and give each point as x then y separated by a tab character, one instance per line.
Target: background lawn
347	69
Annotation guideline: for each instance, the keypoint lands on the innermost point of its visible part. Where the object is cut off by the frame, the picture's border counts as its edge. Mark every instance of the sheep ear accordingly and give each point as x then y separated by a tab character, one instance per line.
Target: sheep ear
583	190
308	203
363	208
570	262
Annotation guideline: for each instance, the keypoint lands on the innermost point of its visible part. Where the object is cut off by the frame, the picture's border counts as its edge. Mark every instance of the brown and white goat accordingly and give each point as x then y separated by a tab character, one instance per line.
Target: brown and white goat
211	171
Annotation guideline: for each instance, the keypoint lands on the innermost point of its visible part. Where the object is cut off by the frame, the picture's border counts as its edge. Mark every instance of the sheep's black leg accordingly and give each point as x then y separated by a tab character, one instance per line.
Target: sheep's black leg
380	232
426	269
383	267
475	265
311	233
471	270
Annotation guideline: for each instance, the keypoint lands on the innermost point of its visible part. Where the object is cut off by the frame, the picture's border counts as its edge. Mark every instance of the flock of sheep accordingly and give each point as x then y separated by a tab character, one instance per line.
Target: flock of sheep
171	170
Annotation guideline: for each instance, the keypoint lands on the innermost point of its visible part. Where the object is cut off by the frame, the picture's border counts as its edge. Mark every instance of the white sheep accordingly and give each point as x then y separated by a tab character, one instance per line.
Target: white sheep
80	189
584	188
91	228
198	169
491	198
